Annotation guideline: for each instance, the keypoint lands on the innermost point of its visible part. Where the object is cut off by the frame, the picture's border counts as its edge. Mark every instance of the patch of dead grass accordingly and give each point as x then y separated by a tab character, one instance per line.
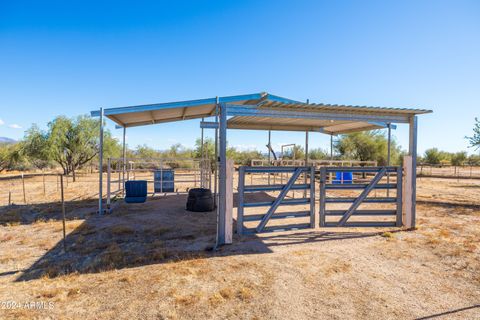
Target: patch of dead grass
215	300
336	267
189	299
245	293
227	293
120	230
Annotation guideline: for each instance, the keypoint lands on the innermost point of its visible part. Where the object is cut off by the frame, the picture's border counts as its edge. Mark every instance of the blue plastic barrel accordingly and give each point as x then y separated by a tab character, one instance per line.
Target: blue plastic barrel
345	177
164	180
135	191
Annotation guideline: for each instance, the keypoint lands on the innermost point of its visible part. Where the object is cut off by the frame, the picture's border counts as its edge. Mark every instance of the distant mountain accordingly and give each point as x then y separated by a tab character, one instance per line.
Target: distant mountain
7	140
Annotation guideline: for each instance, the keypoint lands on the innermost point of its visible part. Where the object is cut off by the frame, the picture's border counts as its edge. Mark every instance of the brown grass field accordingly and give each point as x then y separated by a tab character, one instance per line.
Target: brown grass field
154	261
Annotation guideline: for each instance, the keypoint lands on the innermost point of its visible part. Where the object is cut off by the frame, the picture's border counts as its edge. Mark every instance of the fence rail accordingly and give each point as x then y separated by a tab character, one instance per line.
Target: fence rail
314	163
338	195
448	171
299	178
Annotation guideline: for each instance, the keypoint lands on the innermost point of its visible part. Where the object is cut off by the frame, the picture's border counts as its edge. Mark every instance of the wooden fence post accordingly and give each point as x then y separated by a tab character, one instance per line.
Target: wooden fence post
44	188
23	185
63	214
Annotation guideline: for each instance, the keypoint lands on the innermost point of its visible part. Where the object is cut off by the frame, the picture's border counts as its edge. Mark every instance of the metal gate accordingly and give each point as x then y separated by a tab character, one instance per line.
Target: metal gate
368	180
297	178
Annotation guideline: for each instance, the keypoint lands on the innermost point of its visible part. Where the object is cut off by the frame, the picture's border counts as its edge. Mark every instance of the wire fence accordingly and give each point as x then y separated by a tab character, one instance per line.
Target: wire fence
448	171
37	188
44	187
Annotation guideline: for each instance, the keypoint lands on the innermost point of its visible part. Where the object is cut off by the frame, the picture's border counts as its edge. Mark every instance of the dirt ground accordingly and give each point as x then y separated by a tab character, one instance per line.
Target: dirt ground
155	261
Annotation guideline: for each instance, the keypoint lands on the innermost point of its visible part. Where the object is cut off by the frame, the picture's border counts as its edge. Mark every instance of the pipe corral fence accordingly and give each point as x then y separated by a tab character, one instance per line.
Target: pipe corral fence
360	196
310	162
163	175
265	111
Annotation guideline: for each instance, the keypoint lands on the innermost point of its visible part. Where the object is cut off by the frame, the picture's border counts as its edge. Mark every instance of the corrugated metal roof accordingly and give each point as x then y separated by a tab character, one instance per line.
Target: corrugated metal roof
327	118
263	111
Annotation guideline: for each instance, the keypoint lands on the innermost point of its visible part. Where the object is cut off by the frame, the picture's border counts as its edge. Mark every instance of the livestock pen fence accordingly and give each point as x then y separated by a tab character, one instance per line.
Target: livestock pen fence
350	196
448	171
45	187
310	162
163	175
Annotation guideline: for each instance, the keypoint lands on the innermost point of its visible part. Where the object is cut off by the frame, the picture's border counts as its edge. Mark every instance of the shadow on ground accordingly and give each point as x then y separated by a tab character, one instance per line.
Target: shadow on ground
157	231
32	213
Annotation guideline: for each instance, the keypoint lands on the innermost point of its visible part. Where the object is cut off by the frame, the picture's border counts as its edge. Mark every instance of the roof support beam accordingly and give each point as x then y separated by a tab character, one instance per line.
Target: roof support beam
152	117
249	110
258	126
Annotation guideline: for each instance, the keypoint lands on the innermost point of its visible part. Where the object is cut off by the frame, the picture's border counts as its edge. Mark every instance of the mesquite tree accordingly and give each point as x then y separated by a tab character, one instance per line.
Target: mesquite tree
71	143
475	139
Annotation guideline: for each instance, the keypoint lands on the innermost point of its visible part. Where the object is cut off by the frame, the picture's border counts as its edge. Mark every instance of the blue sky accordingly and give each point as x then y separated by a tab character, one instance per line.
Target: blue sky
70	57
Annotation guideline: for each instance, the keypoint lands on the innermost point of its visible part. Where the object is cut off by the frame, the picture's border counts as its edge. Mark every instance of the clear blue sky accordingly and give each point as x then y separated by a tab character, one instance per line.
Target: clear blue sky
70	57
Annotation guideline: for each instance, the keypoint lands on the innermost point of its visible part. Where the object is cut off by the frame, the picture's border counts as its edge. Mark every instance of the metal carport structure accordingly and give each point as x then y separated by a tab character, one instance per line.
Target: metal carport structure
263	111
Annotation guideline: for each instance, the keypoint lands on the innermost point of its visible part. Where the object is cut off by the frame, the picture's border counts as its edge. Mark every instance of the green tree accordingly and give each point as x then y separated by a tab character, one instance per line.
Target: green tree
458	158
71	143
145	152
475	139
367	146
296	152
473	160
432	156
245	157
35	147
318	154
435	156
10	155
208	150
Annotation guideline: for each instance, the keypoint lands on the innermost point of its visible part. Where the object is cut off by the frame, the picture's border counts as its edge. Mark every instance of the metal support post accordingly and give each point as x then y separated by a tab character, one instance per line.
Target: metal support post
389	126
412	151
124	160
215	168
100	164
222	176
109	180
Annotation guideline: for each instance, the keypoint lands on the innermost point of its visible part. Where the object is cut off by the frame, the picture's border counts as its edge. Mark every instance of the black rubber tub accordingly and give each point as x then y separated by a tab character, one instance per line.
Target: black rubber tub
200	200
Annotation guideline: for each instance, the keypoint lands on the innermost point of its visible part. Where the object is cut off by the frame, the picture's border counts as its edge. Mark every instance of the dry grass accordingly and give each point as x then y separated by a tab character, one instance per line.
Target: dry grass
119	230
151	264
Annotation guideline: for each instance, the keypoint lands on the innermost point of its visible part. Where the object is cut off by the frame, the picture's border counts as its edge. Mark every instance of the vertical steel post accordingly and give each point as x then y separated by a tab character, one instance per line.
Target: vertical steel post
322	200
312	197
100	163
269	152
109	180
270	146
222	204
161	178
399	196
202	156
412	151
331	147
306	148
124	160
201	141
215	173
331	155
389	125
241	201
306	162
